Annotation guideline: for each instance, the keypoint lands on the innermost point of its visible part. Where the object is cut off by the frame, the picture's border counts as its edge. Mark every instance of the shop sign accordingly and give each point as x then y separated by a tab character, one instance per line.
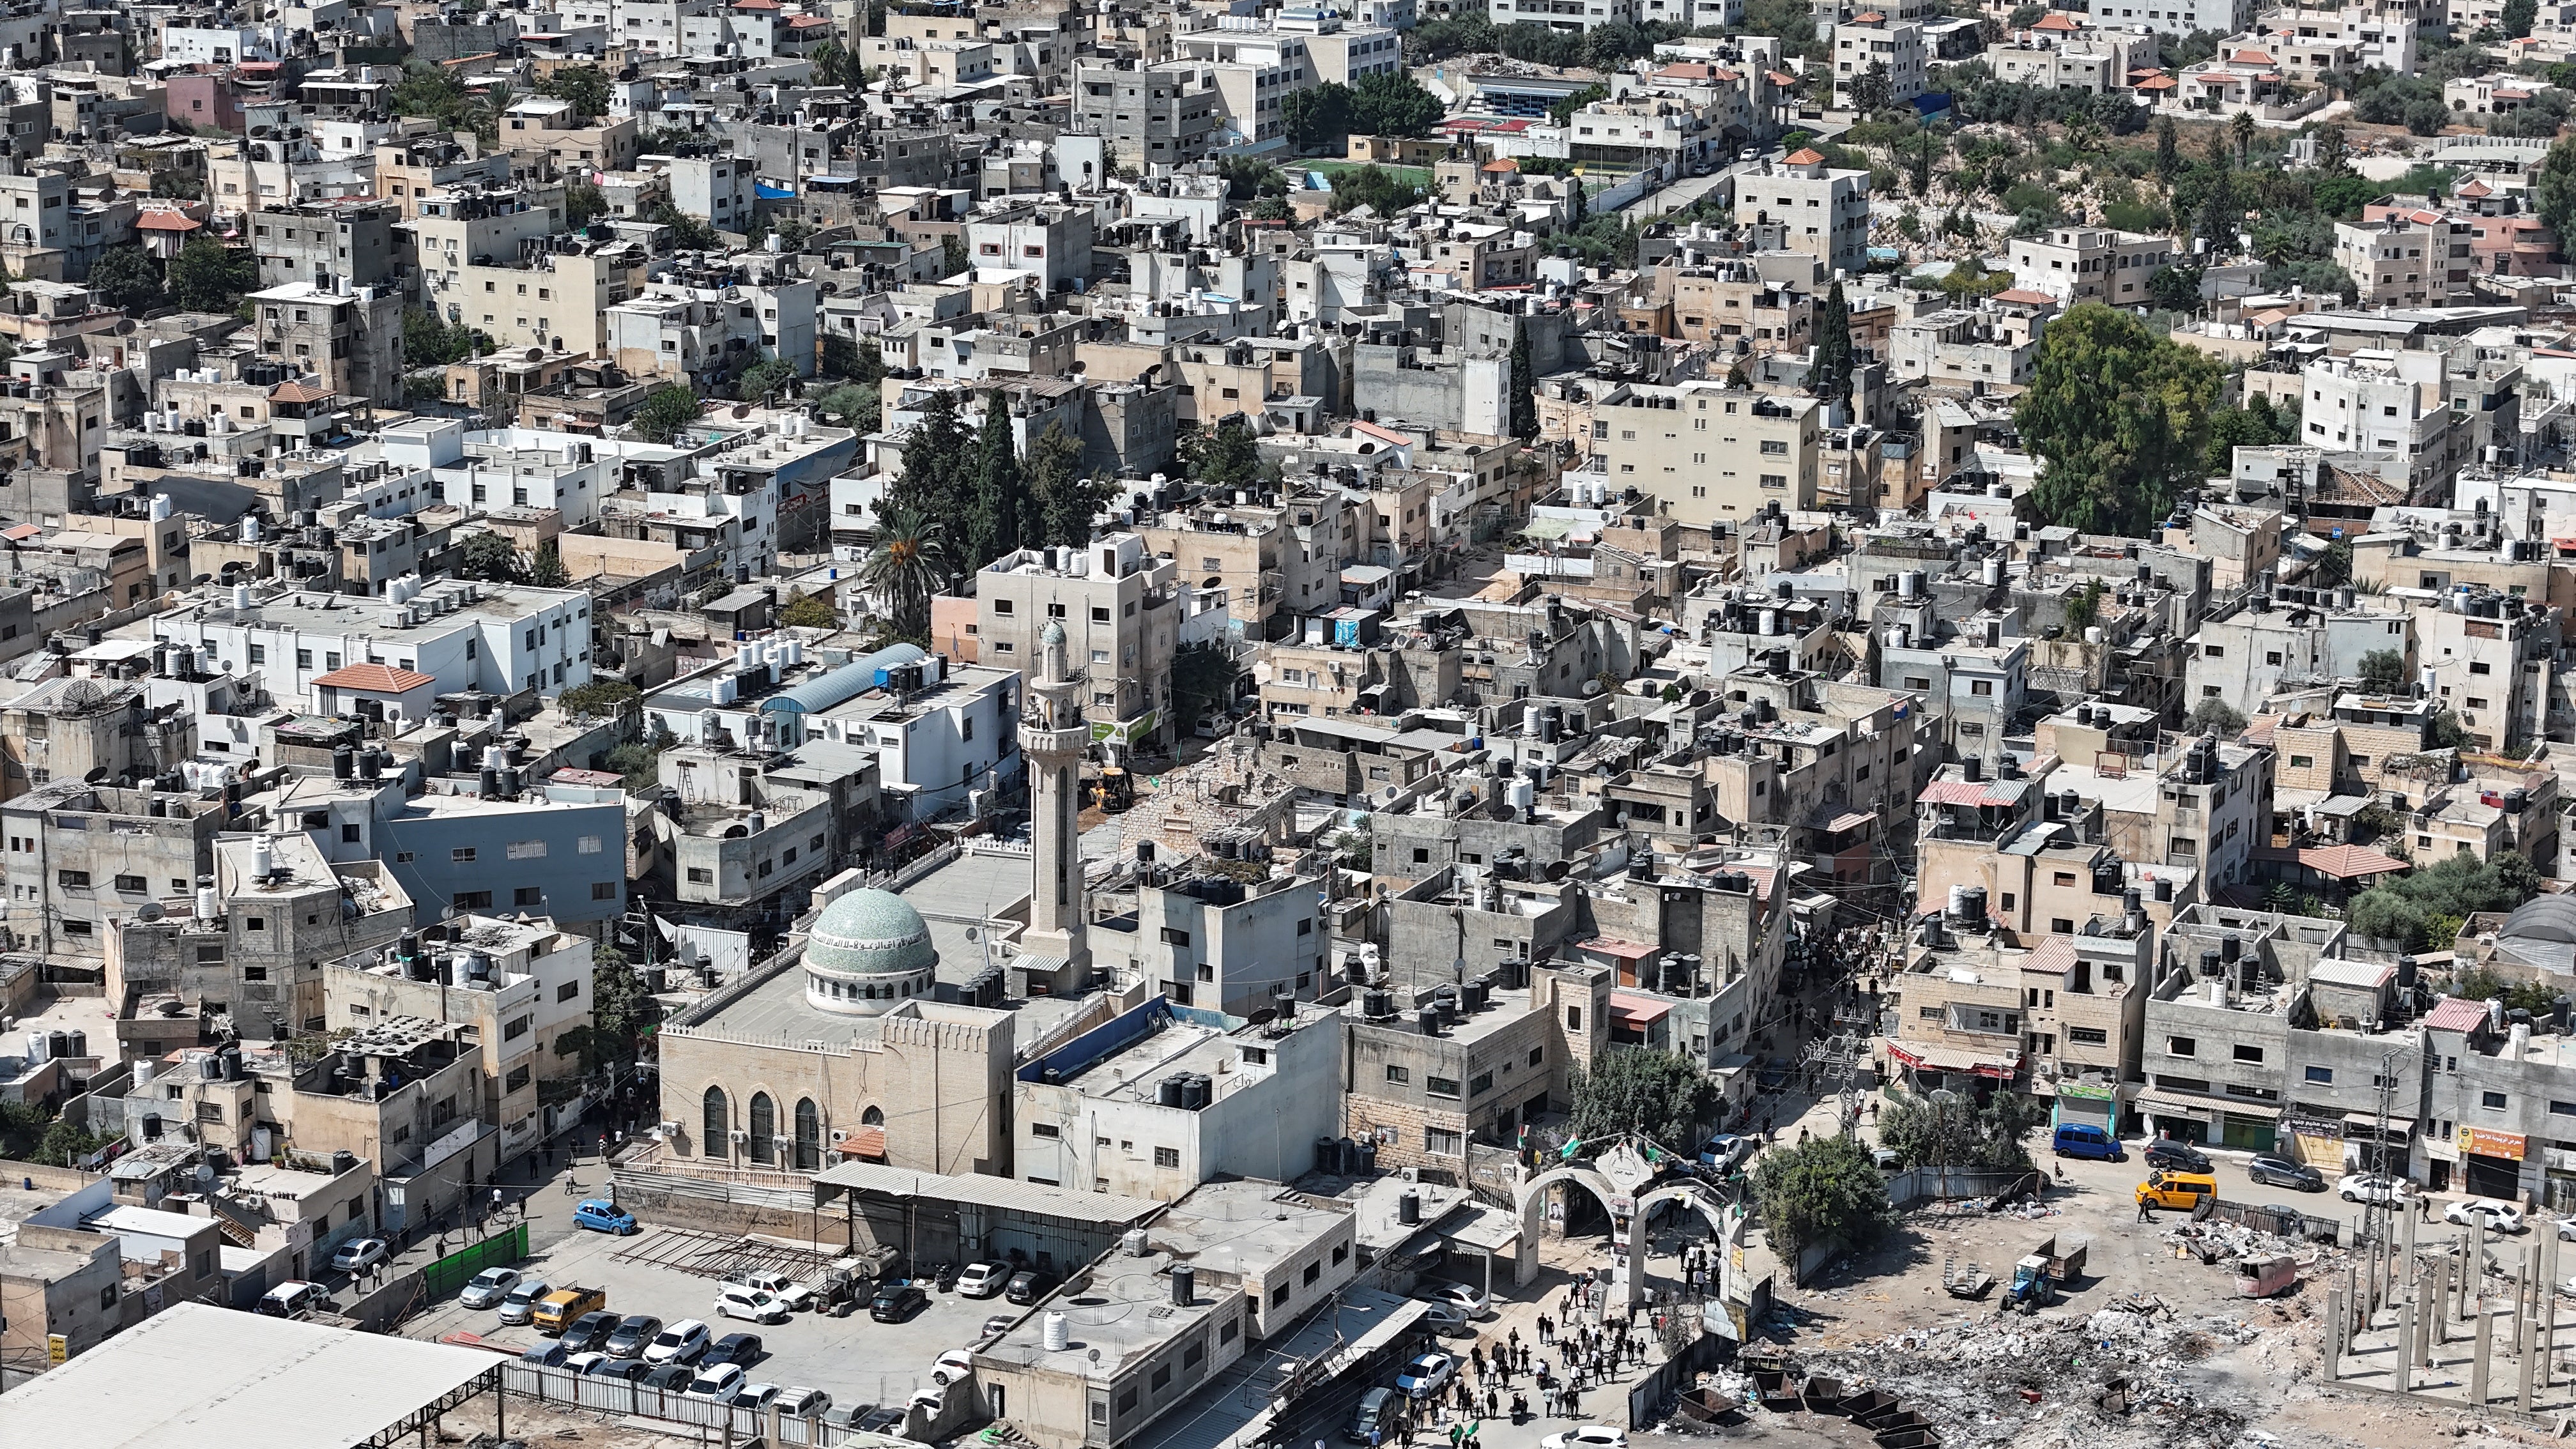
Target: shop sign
2479	1142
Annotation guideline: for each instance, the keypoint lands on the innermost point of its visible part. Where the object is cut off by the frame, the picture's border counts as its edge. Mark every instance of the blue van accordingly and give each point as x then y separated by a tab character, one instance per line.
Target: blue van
2083	1139
602	1216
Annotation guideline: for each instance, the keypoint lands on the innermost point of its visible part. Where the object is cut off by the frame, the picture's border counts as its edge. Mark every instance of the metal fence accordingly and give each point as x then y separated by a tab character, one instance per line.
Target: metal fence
458	1268
617	1396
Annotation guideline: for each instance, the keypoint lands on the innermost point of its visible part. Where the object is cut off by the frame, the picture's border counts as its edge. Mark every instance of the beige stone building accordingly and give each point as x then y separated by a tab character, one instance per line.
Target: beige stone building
840	1051
1708	453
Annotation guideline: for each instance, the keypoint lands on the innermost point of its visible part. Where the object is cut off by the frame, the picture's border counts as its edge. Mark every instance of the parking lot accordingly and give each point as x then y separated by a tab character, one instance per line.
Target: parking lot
854	1359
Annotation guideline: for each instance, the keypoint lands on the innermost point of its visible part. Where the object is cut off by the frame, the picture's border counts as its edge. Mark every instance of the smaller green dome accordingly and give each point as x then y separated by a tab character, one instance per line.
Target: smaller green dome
870	933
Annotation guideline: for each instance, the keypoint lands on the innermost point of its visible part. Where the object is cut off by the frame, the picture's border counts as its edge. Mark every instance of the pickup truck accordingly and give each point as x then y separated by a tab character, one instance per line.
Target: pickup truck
796	1296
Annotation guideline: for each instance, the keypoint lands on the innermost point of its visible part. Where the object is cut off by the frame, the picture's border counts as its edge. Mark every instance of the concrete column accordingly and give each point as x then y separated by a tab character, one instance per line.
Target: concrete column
2428	1321
2474	1285
2522	1353
2411	1268
2402	1377
2480	1346
1636	1294
1525	1252
2330	1347
2522	1305
2548	1305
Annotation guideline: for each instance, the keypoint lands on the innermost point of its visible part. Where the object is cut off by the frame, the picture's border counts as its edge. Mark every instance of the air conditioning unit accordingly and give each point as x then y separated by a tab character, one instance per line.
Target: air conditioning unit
781	1141
1413	1174
670	1127
740	1137
840	1135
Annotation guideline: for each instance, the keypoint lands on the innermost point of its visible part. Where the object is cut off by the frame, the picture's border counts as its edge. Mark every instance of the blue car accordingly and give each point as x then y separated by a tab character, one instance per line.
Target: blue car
602	1216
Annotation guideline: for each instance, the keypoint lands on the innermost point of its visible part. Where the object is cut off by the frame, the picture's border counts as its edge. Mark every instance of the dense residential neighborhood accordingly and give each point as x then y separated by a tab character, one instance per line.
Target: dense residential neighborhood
1237	725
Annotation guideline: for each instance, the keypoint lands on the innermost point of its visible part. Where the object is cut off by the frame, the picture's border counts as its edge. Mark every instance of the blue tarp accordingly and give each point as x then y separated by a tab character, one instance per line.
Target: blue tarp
767	192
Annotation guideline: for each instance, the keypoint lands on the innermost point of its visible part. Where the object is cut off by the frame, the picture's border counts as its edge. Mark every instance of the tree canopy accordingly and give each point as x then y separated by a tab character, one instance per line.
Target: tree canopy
2119	418
664	413
208	276
2424	909
1662	1095
1820	1191
127	278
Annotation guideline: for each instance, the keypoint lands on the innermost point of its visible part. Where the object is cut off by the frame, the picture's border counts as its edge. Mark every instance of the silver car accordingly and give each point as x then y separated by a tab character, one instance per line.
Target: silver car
520	1306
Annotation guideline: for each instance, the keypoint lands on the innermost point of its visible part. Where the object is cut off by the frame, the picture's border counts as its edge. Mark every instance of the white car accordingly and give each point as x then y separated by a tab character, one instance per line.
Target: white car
489	1287
757	1396
2566	1229
1427	1374
721	1384
358	1255
1587	1436
953	1365
682	1342
982	1280
520	1306
733	1301
794	1402
790	1294
1461	1297
585	1363
2495	1216
2370	1187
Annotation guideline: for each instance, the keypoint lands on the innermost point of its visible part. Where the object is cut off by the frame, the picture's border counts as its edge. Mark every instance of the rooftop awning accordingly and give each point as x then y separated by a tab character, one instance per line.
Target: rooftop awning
1632	1010
1932	1057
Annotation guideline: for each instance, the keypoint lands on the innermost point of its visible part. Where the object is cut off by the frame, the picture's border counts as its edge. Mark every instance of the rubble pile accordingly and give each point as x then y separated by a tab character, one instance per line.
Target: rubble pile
2218	1242
2118	1378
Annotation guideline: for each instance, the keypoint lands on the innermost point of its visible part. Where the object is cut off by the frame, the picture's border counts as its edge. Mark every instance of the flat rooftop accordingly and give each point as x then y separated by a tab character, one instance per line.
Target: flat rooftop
1115	1310
1245	1226
216	1379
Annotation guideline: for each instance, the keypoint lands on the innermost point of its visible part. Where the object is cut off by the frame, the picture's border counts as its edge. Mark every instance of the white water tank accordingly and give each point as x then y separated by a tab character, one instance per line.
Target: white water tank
727	690
241	596
160	506
1994	569
1059	1333
209	905
746	657
263	857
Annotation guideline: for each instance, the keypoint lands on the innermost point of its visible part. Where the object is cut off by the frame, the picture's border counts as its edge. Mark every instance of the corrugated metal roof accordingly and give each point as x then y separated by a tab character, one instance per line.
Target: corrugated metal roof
992	1192
835	686
212	1378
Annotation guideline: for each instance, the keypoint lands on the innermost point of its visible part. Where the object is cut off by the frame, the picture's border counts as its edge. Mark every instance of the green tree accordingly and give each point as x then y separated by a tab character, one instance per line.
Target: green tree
938	479
664	413
851	405
1317	116
65	1145
1226	456
2414	908
2084	605
833	64
426	90
638	761
1927	1131
953	260
2383	671
428	342
1524	384
602	698
586	86
621	1009
2518	16
490	558
2168	150
1393	103
2215	714
809	611
583	201
2241	126
993	525
1833	371
547	570
1821	1191
127	278
490	109
1203	679
2175	288
845	357
1662	1096
1376	188
765	377
2334	156
2334	568
1062	499
208	276
687	233
2118	416
2483	983
908	564
1871	91
2553	192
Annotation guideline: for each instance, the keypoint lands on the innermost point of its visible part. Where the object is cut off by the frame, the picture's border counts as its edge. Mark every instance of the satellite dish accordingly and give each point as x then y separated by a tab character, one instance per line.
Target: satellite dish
150	911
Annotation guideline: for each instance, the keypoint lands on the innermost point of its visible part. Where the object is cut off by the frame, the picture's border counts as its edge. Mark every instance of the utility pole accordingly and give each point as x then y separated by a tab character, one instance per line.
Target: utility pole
1837	1059
2375	1211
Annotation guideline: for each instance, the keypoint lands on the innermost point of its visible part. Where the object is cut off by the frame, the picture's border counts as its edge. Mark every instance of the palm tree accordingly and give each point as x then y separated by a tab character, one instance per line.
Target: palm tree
2243	127
490	108
907	566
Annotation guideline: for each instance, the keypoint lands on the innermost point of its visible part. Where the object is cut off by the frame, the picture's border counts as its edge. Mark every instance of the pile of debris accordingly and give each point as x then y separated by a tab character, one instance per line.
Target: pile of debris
2121	1377
2212	1241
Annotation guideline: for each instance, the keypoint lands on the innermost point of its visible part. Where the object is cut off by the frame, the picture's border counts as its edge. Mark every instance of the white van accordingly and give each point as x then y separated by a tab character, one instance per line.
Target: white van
735	1301
294	1298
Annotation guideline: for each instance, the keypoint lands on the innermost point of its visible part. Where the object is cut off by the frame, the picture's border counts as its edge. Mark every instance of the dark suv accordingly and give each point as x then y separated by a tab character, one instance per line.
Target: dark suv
2175	1156
589	1333
1029	1286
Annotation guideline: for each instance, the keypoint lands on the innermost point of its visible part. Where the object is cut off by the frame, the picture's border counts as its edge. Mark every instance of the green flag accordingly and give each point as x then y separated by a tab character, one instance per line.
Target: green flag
1572	1145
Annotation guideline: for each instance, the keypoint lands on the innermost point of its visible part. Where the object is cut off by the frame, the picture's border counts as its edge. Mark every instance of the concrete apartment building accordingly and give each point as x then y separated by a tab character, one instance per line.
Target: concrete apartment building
350	335
1424	1079
2248	653
2492	658
1149	115
82	857
2405	257
1887	42
2171	17
1976	1002
1820	211
2077	264
1973	682
1568	16
1250	1101
1708	453
556	298
1119	605
1221	945
2391	405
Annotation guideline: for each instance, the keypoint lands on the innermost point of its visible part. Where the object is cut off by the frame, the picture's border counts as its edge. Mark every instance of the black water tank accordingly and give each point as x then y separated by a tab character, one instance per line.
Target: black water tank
1348	1152
1376	1003
2209	962
1167	1092
1368	1145
1427	1020
1328	1156
1185	1281
1408	1208
343	1161
1196	1089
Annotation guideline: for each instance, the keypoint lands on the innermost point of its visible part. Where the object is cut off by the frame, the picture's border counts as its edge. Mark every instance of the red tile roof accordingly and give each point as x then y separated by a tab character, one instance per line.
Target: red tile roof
2455	1013
376	679
1805	156
1962	792
2343	862
2027	297
164	219
297	390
